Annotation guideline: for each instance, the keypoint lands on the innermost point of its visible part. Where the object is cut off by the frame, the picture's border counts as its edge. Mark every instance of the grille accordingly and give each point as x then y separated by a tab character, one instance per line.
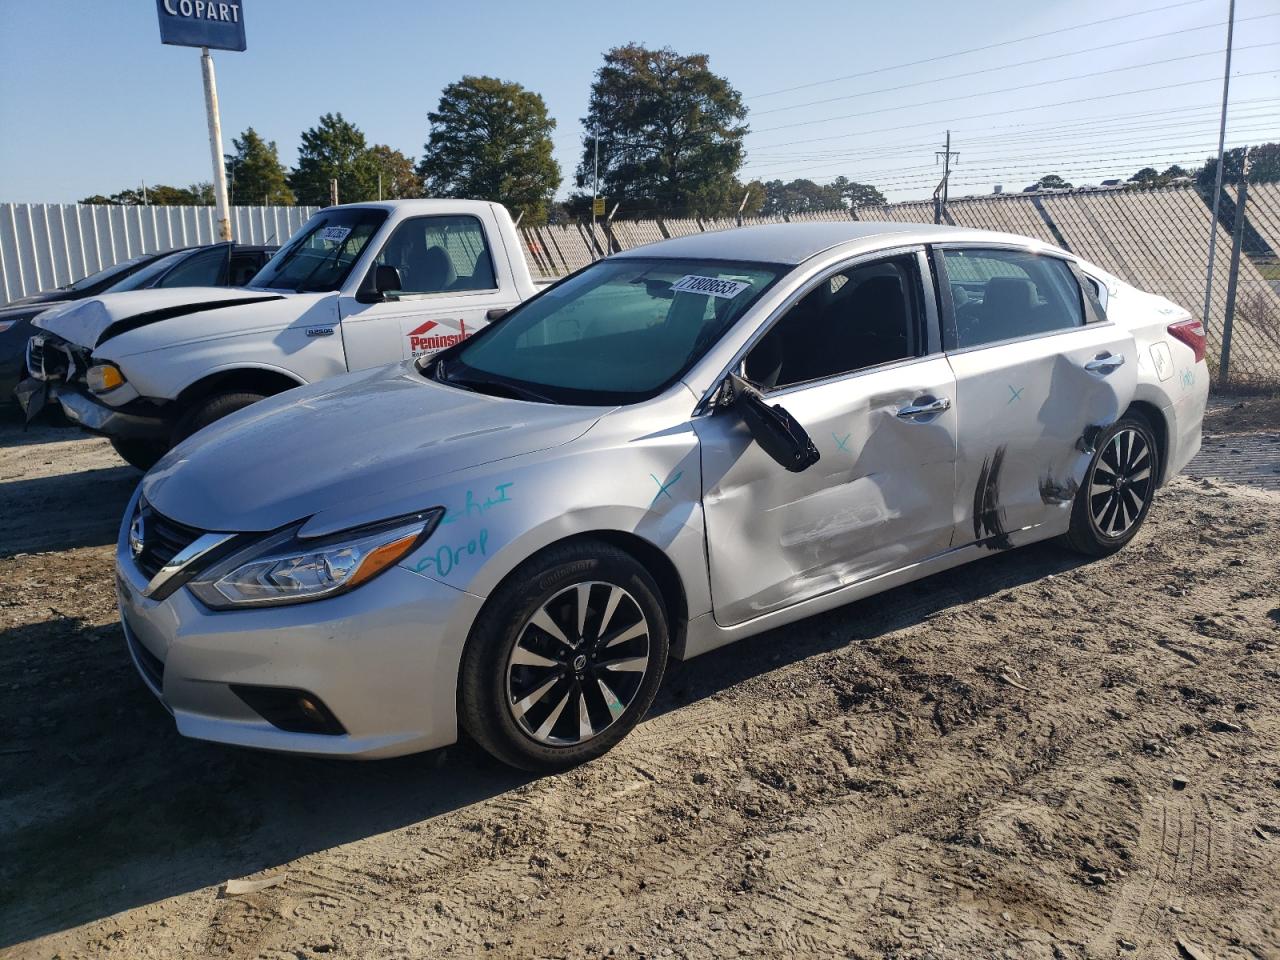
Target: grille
152	667
162	539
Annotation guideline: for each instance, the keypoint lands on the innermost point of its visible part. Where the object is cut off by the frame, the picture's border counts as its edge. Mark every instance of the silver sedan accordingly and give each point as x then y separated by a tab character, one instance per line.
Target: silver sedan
672	449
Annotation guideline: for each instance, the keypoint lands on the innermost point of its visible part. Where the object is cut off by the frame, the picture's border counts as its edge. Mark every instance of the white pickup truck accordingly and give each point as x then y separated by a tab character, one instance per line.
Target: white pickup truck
357	286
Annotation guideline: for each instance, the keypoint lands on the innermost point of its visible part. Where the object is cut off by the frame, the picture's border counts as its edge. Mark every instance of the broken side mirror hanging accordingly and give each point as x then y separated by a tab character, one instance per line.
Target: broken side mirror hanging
777	432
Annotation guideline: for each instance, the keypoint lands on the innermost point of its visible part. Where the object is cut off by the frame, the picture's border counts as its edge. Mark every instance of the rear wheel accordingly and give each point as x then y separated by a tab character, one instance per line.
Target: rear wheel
1118	488
565	658
142	454
212	408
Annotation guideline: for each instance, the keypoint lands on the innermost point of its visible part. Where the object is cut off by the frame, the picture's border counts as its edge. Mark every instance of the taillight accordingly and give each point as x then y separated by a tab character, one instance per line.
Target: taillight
1190	332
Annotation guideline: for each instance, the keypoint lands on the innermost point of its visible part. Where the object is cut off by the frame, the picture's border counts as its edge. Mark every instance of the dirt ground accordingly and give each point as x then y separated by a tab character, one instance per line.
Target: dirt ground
1033	756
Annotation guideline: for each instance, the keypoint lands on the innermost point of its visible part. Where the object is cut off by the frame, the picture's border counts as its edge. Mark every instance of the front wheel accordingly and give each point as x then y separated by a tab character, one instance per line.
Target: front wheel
211	409
1118	489
565	658
142	454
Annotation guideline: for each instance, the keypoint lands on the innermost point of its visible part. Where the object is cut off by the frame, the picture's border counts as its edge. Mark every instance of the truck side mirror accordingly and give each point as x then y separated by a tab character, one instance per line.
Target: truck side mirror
386	279
777	432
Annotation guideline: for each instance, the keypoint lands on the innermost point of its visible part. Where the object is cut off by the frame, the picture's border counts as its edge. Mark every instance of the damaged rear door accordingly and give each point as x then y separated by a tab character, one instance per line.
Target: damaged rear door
1039	371
857	362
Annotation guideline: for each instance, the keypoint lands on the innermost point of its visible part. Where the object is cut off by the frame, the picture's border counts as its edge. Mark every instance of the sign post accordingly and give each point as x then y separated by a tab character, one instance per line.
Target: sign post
205	24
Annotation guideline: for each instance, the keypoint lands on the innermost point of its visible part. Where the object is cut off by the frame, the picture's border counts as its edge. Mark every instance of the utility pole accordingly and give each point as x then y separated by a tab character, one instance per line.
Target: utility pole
333	192
595	180
1233	274
145	201
215	144
379	184
1217	180
940	195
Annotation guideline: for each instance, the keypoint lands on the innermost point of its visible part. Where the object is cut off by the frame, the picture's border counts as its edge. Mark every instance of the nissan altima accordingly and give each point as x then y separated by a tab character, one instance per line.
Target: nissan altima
674	448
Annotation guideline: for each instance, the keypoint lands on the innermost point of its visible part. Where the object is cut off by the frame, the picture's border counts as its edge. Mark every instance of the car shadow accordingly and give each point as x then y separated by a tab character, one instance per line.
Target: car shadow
64	511
108	808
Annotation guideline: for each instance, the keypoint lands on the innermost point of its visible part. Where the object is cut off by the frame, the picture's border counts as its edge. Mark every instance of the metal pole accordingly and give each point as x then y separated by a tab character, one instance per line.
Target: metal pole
1233	273
946	174
379	185
215	144
595	183
1217	180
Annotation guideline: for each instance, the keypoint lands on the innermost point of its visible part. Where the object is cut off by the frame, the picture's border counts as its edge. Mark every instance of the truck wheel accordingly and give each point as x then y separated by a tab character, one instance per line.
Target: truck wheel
212	408
142	454
564	659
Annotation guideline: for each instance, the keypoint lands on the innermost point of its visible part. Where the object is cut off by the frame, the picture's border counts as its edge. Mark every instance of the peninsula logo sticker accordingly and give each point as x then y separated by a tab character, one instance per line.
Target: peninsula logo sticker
430	337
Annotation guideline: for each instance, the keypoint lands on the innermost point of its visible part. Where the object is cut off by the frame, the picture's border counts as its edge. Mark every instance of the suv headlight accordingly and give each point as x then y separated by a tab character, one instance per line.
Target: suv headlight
103	377
285	569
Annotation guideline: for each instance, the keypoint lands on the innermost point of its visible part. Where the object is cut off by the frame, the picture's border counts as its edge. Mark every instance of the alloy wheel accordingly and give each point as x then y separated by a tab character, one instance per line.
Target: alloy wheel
1120	483
577	663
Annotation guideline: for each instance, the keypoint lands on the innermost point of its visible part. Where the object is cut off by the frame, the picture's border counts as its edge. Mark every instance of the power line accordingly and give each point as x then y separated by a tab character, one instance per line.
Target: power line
1009	66
1007	110
1023	86
990	46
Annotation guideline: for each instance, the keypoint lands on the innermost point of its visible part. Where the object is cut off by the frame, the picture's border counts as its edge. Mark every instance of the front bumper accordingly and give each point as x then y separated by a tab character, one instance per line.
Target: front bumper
383	658
89	412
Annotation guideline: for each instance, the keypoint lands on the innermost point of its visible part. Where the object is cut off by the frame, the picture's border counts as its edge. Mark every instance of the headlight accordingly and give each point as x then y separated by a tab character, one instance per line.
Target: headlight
104	377
286	569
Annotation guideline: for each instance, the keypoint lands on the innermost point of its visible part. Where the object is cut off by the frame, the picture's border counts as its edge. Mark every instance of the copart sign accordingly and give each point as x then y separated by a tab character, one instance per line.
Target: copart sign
202	23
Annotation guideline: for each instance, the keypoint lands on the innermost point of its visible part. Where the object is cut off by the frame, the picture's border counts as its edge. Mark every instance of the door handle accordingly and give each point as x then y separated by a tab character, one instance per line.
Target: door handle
923	407
1104	363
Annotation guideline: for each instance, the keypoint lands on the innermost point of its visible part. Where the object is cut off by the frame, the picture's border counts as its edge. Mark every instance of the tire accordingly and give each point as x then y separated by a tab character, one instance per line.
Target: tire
523	691
142	454
212	408
1118	488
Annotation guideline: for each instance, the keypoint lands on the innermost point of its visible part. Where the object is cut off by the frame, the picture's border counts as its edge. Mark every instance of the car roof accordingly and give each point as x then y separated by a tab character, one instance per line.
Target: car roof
794	243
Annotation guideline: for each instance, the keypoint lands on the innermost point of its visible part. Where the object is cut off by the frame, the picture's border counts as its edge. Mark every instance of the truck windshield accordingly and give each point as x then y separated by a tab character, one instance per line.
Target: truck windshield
618	332
321	254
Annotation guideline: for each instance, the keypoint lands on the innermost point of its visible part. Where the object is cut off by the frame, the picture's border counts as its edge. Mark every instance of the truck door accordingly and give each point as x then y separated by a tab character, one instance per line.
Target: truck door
448	284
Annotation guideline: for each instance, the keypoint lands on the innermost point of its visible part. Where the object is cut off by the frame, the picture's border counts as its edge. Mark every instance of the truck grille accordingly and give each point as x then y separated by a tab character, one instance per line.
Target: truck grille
160	541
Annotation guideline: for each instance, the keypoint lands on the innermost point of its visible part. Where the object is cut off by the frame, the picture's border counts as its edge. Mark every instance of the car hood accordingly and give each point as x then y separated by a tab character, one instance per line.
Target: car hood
337	449
90	321
37	301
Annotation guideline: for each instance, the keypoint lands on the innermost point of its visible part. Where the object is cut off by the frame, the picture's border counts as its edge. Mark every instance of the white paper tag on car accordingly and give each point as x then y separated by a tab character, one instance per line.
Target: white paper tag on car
710	285
335	234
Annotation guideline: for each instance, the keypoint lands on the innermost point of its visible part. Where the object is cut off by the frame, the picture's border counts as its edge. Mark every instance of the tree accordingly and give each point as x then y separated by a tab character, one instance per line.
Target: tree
159	195
399	181
1053	182
670	134
255	173
857	194
491	140
1146	177
1264	166
334	149
799	196
1173	173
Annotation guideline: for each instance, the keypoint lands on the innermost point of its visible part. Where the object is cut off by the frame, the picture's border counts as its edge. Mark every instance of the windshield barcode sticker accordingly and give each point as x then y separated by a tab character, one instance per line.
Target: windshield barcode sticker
335	234
710	285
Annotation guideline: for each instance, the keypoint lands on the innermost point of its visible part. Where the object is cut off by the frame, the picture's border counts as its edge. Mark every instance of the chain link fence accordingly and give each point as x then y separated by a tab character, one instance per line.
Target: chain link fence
1156	239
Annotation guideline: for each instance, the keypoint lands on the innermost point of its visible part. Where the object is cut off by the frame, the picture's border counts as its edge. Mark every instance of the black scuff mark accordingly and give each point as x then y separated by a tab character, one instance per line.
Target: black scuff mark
168	313
1054	491
988	517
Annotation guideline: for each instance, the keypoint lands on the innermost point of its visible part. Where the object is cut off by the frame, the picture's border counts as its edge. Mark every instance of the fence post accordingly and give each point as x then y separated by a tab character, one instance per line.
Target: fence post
1233	274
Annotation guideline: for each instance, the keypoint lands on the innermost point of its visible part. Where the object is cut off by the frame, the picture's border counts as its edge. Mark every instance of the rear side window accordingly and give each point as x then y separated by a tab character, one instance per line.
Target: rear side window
439	255
1003	294
203	269
861	317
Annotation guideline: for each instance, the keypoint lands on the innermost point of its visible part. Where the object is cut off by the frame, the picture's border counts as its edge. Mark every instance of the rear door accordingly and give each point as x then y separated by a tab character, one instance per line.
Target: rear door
449	285
854	362
1039	371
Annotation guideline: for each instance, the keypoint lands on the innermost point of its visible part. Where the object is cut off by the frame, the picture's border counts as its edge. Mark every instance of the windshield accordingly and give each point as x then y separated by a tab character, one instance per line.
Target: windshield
121	269
618	332
321	254
140	279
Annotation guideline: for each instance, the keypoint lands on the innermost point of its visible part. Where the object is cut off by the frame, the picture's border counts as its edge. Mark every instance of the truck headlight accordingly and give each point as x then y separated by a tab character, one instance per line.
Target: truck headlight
285	569
103	377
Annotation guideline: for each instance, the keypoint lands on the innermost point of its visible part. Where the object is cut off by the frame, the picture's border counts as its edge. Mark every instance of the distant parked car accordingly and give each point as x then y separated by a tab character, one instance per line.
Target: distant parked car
220	265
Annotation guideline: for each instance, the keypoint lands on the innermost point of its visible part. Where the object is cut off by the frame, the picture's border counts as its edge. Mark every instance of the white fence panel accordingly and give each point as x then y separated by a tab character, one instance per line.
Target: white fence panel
44	245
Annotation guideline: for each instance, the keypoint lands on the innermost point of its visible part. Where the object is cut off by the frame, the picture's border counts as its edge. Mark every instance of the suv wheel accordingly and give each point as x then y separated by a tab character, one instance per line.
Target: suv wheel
565	658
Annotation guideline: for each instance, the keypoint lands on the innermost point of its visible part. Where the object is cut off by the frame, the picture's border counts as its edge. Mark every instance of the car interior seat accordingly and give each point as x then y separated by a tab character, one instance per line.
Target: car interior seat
1008	305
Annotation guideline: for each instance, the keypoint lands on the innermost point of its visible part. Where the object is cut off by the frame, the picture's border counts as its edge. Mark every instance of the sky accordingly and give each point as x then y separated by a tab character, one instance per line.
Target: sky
92	102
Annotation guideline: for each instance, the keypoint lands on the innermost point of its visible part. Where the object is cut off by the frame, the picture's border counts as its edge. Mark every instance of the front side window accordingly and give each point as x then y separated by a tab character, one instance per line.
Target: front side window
861	317
1002	294
439	255
618	332
321	254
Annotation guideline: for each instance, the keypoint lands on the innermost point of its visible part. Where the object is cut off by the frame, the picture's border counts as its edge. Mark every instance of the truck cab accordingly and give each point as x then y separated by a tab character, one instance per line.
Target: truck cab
359	285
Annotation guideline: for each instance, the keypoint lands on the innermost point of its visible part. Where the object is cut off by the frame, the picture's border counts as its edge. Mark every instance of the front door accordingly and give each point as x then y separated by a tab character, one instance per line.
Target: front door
1039	373
448	287
851	362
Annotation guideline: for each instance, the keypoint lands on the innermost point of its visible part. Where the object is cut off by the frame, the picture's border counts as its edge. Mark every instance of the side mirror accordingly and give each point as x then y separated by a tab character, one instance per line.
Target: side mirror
777	432
497	313
386	279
